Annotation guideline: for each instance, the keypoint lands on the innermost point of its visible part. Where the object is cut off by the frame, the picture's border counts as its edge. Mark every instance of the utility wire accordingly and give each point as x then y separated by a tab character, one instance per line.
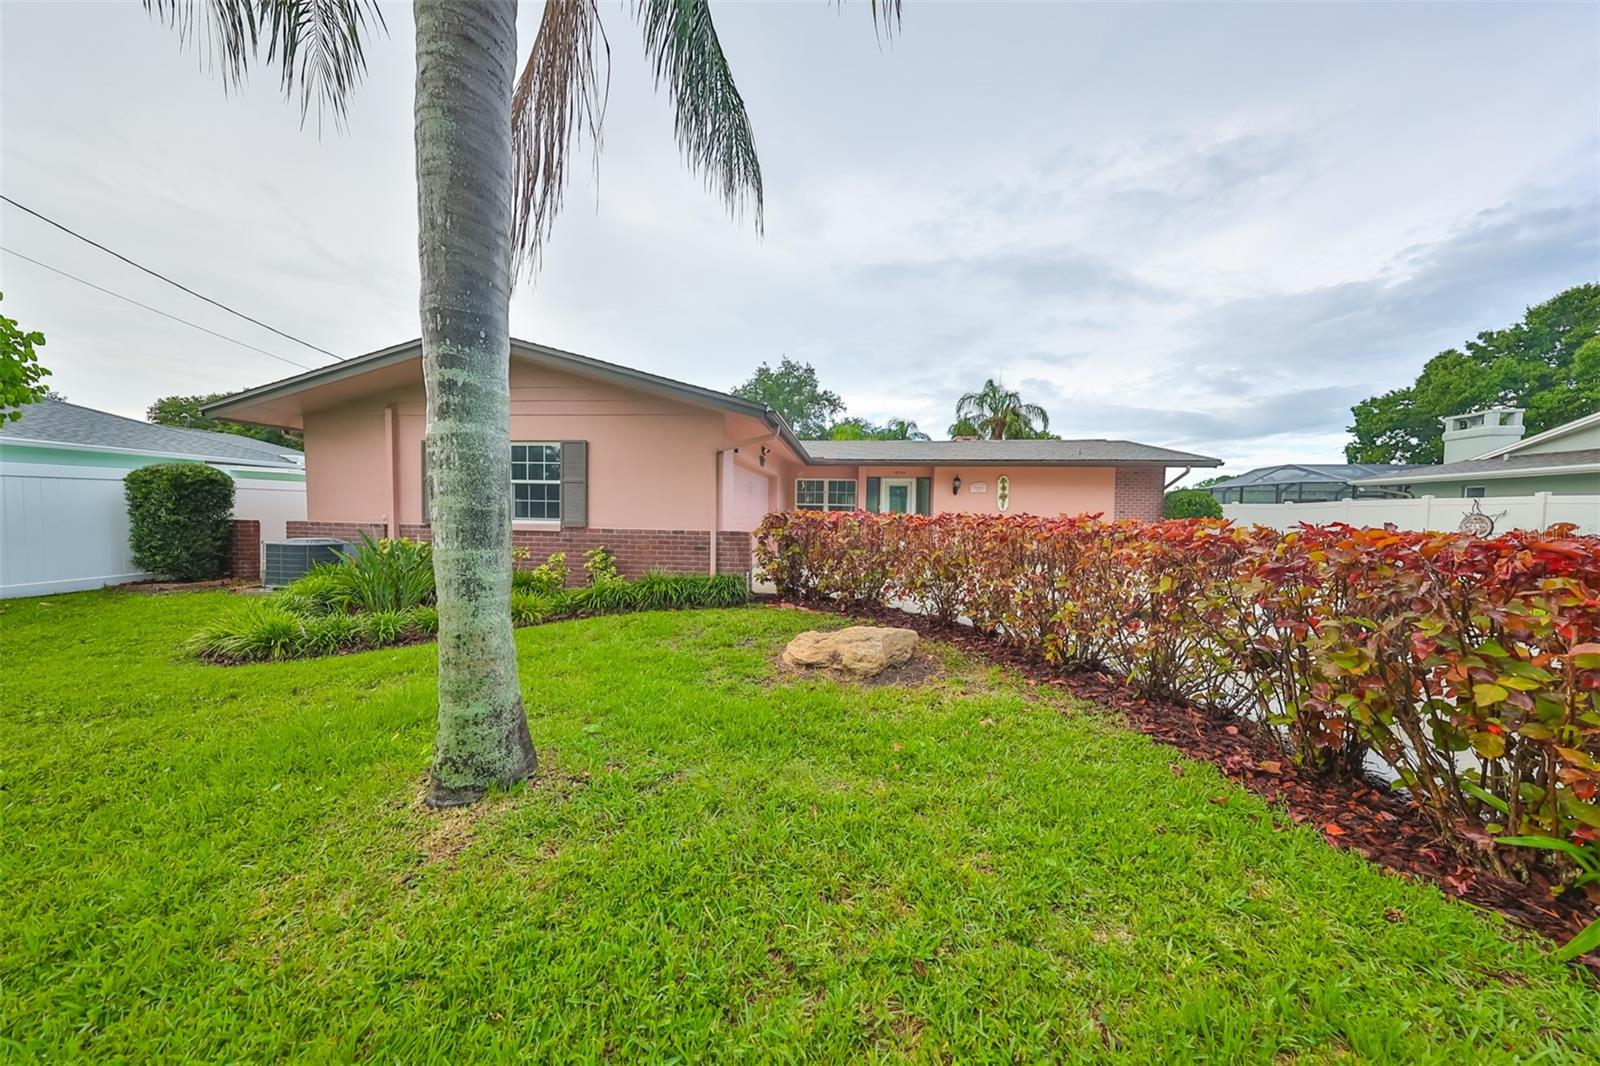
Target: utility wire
154	310
169	281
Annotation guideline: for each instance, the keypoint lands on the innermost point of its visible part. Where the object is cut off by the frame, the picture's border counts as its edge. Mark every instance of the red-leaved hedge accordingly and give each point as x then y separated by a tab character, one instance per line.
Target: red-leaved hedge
1470	666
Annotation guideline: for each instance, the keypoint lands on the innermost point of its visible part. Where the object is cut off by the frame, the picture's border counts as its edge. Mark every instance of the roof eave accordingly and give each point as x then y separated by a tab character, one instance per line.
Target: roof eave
1482	475
627	376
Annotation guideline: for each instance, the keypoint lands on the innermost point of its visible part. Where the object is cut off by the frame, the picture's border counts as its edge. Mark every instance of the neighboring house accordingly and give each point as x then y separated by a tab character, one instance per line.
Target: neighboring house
63	516
1303	483
1484	456
667	475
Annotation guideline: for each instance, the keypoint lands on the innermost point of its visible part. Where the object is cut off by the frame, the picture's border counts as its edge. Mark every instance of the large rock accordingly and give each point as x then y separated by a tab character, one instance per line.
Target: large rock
860	650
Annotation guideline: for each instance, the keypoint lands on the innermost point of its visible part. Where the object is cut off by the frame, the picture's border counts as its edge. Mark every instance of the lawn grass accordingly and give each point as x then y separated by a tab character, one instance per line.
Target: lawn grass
717	860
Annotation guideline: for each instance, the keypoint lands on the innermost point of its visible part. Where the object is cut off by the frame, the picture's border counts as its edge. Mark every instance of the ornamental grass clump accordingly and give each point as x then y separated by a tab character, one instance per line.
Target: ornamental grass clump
324	612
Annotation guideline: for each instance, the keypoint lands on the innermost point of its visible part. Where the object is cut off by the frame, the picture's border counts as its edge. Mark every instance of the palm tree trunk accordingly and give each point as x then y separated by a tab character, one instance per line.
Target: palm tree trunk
466	55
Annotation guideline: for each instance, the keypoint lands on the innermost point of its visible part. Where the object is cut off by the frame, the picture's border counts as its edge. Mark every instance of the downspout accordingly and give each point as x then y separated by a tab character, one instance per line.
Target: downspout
1180	477
716	508
391	433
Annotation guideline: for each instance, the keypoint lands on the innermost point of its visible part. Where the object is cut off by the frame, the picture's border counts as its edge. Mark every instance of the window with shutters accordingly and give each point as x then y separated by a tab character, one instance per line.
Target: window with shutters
536	481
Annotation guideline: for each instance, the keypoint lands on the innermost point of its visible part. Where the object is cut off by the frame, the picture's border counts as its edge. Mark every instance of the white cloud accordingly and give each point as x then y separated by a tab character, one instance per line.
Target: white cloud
1213	226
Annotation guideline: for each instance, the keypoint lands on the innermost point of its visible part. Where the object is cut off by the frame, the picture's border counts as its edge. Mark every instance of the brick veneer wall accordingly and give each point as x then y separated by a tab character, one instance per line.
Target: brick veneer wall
684	551
244	550
347	531
1139	492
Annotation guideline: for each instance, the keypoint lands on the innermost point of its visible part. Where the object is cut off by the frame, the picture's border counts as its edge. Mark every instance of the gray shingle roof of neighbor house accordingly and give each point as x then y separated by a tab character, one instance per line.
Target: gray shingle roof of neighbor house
1295	473
980	452
1579	461
57	422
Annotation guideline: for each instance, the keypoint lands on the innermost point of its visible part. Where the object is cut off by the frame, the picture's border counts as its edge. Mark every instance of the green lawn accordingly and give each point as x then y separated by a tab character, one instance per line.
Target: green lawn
716	860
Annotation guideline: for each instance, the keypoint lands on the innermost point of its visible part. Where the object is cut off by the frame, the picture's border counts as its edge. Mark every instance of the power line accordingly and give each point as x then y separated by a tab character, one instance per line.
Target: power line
154	310
169	281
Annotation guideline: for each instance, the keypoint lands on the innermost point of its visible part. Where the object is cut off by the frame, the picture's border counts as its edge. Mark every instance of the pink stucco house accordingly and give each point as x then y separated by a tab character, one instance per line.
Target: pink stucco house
667	475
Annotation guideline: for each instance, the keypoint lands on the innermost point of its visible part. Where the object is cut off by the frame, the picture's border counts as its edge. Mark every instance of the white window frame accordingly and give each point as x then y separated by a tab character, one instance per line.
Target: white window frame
827	487
556	481
1474	492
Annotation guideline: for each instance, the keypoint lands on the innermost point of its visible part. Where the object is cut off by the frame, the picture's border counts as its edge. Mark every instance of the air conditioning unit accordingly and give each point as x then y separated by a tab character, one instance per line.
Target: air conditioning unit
289	559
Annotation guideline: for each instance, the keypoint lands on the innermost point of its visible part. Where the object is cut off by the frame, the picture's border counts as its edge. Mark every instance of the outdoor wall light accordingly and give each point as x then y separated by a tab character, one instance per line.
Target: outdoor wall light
762	458
955	485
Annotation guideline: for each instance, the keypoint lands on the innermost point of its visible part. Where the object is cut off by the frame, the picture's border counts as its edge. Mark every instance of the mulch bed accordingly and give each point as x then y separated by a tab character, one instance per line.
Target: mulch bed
154	586
1364	817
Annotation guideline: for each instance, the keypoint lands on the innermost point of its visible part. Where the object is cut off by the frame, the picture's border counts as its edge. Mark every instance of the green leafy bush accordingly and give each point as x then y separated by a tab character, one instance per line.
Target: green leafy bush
180	516
601	565
1190	503
548	578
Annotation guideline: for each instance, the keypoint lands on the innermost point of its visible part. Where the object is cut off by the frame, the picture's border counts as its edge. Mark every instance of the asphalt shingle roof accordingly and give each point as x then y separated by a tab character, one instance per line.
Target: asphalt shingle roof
1509	463
1067	452
1296	473
57	422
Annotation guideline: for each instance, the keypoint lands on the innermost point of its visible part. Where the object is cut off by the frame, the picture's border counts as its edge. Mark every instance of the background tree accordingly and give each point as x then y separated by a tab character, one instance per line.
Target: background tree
995	412
1548	363
20	372
184	412
793	391
492	150
861	429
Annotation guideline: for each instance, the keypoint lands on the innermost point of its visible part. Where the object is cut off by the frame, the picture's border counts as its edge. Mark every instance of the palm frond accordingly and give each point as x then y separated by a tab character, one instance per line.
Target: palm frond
712	127
317	44
886	14
559	99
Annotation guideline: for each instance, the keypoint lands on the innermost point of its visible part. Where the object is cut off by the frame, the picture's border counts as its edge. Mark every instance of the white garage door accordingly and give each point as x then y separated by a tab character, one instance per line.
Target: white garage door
747	505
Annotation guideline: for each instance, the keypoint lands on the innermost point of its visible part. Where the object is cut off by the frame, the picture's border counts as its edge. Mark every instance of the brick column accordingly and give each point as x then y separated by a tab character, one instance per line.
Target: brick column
244	550
1139	492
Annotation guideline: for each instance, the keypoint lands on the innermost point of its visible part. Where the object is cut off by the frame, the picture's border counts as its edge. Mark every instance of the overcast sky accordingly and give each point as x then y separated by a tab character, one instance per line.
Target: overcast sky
1209	227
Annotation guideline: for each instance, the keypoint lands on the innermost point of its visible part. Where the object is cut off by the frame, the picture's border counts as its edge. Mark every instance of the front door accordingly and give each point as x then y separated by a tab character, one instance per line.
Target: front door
899	495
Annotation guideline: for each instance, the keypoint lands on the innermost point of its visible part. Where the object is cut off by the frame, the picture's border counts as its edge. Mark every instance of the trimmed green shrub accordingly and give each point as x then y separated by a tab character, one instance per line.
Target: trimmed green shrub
1190	503
180	516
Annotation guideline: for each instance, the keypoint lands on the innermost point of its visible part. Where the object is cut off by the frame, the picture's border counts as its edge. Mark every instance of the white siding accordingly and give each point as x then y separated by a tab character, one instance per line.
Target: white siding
1536	512
65	528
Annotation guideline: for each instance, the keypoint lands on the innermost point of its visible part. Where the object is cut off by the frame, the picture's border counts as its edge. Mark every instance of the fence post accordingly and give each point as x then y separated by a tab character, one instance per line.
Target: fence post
1542	501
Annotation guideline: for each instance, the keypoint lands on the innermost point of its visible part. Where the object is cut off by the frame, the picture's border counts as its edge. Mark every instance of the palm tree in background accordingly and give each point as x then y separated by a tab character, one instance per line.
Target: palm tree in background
492	154
861	429
995	412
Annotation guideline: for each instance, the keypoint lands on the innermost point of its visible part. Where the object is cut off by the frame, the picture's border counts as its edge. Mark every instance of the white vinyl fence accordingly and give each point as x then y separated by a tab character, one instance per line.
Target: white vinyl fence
65	528
1536	512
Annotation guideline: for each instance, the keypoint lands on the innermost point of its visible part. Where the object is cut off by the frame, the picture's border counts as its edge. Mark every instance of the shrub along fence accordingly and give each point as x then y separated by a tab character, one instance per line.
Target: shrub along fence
1471	667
